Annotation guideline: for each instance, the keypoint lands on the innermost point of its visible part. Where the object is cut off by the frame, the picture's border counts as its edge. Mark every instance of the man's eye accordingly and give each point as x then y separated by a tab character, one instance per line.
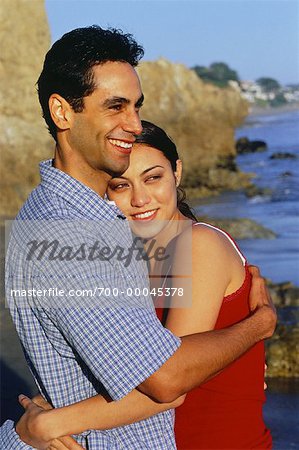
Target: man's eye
116	107
138	106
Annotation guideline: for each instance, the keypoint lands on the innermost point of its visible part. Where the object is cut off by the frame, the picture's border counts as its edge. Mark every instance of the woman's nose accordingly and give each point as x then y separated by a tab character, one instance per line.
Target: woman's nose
140	197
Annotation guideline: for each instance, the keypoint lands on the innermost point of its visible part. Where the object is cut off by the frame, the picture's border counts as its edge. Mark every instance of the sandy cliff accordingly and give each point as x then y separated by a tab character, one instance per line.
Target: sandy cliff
200	117
24	37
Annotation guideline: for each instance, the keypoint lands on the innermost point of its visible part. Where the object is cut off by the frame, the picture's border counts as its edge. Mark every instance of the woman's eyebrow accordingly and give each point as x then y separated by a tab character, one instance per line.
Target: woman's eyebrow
151	168
144	172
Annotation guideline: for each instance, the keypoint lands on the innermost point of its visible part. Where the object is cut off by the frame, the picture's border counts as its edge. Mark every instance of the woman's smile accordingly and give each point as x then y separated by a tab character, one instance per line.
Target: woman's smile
146	215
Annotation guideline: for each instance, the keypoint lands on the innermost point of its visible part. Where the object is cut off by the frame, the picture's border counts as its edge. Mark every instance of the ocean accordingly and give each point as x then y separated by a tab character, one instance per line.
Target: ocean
279	211
277	258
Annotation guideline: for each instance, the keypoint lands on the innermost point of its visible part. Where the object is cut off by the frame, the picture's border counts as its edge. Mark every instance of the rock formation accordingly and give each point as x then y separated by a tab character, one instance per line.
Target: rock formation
24	140
201	118
244	145
282	352
240	228
283	348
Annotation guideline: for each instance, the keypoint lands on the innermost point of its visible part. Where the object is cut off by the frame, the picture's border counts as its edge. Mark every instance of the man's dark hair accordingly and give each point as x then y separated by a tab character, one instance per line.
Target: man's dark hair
68	65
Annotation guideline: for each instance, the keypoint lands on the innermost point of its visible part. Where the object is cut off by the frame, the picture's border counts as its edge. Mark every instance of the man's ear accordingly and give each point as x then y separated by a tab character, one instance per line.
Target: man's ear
178	172
61	111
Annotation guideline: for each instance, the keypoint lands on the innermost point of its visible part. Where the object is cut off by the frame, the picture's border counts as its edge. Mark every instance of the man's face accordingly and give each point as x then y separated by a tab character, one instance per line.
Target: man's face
102	134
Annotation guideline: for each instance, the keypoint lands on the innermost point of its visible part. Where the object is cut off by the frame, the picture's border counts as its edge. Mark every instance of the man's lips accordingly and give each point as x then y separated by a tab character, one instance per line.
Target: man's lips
124	146
146	215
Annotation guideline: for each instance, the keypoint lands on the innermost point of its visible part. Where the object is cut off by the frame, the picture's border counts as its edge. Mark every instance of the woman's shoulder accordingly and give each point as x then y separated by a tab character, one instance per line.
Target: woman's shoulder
211	241
200	232
206	234
218	239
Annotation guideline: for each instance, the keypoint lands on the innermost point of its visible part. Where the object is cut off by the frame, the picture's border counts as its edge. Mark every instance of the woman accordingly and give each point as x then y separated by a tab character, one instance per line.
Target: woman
226	411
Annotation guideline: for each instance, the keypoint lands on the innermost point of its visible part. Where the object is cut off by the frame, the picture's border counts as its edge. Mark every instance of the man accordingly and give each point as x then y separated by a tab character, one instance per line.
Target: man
77	347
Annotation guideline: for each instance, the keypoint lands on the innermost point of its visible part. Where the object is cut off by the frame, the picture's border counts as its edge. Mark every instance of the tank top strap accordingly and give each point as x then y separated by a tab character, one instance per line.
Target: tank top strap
243	259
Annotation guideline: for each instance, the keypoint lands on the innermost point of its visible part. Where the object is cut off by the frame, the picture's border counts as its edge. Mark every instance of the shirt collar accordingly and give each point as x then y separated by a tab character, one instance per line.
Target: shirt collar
92	205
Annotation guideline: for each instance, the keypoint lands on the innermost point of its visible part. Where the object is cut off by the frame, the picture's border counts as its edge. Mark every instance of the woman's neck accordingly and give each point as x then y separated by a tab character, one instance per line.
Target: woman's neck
174	227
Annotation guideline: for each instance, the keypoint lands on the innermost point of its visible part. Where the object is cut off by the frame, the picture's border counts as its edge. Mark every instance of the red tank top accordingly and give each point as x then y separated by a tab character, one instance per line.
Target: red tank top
226	412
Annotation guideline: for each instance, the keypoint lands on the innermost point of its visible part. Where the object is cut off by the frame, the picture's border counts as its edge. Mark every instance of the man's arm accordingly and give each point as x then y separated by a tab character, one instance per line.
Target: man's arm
151	358
202	355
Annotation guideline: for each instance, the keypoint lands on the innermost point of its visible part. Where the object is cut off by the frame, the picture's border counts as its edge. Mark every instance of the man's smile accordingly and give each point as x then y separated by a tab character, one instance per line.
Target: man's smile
123	146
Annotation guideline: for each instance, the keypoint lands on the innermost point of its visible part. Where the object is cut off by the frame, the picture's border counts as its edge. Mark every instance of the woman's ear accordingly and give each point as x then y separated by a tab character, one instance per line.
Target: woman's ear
178	172
61	111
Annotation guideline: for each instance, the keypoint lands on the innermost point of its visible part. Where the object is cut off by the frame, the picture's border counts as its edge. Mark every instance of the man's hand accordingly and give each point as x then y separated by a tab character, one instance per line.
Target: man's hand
260	301
265	384
29	429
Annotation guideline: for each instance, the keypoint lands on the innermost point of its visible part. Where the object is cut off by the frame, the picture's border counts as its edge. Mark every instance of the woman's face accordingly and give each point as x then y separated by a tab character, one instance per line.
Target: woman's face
146	192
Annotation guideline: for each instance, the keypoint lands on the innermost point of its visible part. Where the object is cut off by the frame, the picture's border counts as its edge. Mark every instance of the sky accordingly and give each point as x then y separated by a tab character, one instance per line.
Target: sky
256	38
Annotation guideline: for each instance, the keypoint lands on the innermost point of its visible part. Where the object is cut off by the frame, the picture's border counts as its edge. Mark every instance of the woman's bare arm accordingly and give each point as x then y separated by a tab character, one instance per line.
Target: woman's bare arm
216	270
39	426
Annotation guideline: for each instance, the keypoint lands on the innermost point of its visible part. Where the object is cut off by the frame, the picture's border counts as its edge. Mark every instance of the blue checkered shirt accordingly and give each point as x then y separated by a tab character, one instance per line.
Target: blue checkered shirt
78	346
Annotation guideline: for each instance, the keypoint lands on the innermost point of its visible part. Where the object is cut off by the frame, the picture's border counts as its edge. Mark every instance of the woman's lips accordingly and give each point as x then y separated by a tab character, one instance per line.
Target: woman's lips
146	215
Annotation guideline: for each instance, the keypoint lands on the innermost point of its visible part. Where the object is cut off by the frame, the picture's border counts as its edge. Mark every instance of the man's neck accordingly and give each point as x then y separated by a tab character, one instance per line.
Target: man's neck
81	171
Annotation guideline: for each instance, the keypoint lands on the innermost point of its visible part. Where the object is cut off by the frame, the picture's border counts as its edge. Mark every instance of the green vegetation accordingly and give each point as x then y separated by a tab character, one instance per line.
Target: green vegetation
261	103
268	84
218	73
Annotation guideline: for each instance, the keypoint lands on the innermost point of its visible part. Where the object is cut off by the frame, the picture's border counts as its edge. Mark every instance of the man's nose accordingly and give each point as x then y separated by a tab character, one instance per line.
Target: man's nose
133	123
140	197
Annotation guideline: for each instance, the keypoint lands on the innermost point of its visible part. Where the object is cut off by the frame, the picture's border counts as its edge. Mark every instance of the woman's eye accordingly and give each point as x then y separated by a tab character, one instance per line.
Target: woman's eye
118	187
153	178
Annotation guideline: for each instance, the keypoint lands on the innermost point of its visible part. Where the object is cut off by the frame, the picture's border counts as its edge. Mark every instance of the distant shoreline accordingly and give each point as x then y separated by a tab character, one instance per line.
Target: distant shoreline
268	110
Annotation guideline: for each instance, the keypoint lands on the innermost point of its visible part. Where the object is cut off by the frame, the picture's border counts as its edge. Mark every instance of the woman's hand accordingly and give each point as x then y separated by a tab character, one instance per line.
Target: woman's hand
64	443
30	427
40	401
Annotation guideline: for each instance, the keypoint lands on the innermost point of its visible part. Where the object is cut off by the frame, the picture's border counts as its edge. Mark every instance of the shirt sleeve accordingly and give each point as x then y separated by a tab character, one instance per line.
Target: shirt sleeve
9	439
119	338
103	320
121	346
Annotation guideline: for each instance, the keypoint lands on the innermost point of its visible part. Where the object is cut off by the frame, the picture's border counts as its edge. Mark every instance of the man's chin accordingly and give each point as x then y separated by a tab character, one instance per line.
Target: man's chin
118	170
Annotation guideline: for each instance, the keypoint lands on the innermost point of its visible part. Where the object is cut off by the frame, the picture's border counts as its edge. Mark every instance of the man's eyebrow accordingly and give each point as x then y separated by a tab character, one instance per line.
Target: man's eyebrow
114	100
122	100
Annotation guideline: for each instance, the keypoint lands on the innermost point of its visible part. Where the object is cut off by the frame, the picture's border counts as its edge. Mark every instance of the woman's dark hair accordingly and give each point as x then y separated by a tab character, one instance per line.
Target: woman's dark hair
68	65
155	137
